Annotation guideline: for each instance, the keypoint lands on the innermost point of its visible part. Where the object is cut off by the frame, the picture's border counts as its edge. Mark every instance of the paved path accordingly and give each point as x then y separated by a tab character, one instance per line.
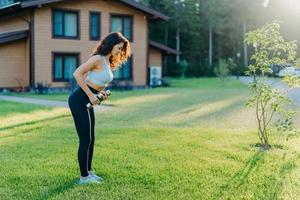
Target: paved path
46	102
276	83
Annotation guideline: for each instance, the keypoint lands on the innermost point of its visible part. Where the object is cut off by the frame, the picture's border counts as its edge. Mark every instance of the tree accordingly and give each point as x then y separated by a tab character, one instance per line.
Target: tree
211	10
270	48
222	70
208	30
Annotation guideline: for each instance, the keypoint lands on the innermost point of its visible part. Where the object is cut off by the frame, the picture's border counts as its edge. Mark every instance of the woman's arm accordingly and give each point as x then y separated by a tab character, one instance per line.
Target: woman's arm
79	77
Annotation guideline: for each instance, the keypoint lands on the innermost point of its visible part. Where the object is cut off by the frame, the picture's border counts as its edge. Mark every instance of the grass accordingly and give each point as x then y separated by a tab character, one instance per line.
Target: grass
194	140
51	96
8	109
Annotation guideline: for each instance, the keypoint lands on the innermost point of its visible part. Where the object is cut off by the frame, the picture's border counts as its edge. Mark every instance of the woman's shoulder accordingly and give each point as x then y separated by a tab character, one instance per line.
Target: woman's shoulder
98	60
95	59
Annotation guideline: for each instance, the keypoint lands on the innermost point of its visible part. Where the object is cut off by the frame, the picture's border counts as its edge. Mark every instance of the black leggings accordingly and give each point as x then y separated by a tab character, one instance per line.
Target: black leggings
84	120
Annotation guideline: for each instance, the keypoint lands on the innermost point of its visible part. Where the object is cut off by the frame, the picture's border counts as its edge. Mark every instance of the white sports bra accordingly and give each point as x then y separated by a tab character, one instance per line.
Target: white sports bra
103	77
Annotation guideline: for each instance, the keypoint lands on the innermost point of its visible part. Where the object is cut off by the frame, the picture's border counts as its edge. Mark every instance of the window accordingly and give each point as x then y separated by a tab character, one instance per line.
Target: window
122	24
65	24
64	65
124	72
95	25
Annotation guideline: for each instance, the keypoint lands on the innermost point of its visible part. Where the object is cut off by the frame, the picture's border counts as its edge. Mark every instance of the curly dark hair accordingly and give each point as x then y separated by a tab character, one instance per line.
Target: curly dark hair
106	44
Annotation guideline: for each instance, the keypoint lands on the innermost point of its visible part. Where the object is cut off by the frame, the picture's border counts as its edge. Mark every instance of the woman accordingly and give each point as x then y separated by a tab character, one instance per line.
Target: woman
108	55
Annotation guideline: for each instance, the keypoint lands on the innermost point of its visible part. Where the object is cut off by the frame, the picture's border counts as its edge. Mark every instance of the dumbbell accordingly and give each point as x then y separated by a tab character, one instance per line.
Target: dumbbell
100	97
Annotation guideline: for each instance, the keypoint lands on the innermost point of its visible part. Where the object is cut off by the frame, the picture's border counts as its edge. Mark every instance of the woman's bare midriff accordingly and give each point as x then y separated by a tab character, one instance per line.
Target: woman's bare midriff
93	85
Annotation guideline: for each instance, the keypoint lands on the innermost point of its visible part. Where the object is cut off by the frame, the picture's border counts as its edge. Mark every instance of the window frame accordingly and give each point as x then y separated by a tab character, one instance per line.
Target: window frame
77	12
131	72
63	54
122	16
90	25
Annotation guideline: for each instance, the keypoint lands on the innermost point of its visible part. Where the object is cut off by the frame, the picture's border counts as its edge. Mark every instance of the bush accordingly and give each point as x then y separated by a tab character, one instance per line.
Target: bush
222	69
200	71
173	68
42	88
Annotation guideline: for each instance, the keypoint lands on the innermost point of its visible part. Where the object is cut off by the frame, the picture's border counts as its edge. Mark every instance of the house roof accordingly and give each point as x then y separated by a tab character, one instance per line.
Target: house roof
17	35
145	9
21	34
19	5
12	36
163	47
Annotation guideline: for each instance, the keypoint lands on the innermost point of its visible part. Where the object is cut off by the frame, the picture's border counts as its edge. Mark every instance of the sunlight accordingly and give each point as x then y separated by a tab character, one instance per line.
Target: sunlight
240	119
266	3
142	99
288	6
199	110
294	5
24	118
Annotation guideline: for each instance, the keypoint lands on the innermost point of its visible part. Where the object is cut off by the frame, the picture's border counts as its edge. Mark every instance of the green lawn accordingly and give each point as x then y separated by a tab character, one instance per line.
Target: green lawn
51	96
194	140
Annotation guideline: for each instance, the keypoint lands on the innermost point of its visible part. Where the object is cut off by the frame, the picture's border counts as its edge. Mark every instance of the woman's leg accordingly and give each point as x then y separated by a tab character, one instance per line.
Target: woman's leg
91	149
83	127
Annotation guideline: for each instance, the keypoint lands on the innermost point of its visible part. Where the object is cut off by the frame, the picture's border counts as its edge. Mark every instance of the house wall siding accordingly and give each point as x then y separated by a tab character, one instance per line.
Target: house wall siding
14	56
14	23
45	44
14	64
155	57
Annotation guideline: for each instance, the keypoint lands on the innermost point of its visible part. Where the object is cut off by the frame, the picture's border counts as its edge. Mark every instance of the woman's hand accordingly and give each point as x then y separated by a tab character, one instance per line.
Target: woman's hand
104	94
93	99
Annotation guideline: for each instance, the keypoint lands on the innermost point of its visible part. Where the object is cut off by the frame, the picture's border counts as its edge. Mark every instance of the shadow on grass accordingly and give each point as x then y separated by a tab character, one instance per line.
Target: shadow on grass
58	190
259	146
163	106
180	110
231	188
33	122
197	120
21	132
286	168
224	112
240	177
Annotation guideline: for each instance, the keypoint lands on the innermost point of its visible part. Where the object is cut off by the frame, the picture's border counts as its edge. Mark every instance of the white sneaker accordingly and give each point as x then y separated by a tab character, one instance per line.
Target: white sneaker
88	180
94	176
